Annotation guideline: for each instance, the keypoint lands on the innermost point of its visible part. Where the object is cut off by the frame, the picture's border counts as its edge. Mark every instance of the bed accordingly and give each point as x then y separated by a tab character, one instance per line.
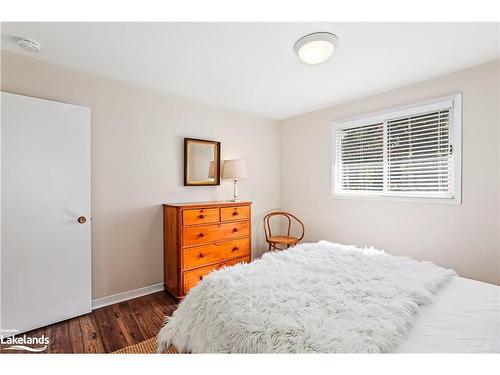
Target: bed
331	298
463	318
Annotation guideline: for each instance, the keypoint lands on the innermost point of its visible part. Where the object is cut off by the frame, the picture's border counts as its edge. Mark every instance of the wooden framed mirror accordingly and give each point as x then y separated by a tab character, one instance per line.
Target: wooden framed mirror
201	162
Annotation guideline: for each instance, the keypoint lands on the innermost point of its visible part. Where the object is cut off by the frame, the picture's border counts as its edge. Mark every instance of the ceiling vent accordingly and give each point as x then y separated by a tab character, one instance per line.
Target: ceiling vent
29	45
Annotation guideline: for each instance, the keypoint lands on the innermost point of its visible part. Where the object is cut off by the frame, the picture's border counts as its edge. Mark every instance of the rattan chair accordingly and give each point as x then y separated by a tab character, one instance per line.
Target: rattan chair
285	241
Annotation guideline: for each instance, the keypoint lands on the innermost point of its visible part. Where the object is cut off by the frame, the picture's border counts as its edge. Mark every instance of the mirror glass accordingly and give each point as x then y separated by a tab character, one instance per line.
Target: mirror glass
201	162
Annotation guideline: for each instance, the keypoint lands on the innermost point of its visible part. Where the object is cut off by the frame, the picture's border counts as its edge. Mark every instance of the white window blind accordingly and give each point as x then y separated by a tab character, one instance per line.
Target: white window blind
362	154
409	152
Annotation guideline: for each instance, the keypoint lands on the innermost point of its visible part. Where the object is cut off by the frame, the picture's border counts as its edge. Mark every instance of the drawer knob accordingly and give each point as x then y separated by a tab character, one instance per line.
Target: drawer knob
235	230
201	278
201	216
202	255
235	213
201	235
236	248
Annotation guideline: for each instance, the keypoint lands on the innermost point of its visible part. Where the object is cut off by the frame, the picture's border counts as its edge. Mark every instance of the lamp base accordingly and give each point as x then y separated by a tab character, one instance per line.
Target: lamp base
235	192
235	200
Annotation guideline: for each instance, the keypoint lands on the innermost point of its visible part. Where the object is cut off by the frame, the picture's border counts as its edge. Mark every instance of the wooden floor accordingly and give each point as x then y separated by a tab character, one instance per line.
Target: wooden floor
109	328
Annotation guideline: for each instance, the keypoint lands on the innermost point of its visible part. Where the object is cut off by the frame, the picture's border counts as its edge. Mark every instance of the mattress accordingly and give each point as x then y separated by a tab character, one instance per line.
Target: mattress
326	297
463	318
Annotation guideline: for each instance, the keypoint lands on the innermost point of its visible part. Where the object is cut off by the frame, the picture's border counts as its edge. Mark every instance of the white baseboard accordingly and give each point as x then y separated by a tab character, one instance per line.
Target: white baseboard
124	296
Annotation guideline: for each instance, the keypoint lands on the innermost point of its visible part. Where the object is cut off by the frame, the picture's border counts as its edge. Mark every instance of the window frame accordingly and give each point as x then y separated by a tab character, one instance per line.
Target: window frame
454	102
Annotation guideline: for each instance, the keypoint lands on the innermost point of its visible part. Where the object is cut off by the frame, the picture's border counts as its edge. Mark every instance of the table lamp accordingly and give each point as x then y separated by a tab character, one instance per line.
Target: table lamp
235	169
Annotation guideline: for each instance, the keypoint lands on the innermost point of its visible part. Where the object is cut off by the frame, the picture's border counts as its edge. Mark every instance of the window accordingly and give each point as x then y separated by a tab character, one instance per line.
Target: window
411	152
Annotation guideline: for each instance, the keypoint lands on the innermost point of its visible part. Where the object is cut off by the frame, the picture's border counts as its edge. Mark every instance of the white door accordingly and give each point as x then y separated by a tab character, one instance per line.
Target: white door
45	253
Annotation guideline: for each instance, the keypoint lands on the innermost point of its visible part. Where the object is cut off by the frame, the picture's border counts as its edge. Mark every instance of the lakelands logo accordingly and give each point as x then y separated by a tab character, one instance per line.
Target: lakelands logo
20	343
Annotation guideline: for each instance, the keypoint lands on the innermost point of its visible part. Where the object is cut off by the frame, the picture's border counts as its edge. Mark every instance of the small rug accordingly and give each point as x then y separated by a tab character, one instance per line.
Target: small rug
146	347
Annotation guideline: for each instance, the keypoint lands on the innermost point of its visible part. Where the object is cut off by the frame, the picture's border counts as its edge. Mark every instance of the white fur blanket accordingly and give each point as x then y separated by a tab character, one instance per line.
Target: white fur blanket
317	297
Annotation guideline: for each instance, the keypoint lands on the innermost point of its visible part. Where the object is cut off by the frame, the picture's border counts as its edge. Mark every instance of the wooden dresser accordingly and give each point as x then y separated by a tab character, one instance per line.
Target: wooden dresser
201	237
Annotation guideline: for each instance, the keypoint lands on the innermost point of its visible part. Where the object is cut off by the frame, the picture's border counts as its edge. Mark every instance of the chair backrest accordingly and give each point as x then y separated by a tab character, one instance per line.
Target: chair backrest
287	215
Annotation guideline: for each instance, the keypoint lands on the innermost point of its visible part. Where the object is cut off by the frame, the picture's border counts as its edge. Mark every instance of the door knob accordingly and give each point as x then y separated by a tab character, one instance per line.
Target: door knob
82	219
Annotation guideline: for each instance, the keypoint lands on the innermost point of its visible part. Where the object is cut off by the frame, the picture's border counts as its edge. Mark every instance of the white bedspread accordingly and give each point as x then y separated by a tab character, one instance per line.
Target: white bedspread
464	318
319	297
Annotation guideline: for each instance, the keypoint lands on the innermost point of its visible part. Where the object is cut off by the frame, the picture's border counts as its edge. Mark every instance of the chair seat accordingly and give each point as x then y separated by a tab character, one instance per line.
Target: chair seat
285	240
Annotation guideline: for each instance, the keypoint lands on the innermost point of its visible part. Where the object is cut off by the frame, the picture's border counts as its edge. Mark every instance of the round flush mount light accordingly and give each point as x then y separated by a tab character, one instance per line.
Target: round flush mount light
316	48
29	45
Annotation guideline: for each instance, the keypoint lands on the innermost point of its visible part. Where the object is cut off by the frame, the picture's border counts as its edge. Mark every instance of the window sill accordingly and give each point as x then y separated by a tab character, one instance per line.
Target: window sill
404	199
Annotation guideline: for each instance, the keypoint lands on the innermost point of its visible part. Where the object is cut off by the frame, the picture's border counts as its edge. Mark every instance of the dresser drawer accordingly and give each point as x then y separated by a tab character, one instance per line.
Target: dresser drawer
234	213
193	277
217	252
200	216
192	236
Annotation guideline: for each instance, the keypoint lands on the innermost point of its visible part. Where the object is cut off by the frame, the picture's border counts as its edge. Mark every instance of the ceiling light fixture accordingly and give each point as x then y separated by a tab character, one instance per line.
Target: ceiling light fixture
316	48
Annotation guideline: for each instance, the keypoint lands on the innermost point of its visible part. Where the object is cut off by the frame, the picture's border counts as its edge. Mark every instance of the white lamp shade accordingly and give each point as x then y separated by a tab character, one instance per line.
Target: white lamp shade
235	169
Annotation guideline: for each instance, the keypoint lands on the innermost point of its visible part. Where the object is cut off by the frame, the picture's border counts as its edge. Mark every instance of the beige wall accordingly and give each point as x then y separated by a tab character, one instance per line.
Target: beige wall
137	139
464	237
137	164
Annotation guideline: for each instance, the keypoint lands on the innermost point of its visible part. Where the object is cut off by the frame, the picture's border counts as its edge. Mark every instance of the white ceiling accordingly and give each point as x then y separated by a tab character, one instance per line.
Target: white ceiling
252	66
